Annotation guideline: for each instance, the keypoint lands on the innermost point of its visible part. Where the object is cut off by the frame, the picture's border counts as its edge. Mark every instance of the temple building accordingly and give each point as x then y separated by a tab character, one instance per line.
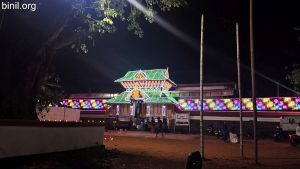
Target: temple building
151	93
146	95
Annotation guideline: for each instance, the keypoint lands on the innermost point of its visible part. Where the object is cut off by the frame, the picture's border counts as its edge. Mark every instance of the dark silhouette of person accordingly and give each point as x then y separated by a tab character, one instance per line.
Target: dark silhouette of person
152	124
146	128
194	161
225	131
298	130
278	129
164	125
158	127
130	124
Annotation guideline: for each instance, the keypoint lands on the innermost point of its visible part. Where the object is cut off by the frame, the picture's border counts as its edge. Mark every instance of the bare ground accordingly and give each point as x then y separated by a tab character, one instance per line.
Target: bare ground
141	150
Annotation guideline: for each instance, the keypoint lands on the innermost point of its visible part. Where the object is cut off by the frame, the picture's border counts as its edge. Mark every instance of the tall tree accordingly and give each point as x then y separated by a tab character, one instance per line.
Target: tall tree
294	76
30	39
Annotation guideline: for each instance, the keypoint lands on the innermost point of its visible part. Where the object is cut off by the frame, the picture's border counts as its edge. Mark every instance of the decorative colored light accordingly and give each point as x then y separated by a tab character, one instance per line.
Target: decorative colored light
85	103
291	104
249	105
287	99
230	105
211	105
227	100
270	104
265	100
263	104
209	100
181	100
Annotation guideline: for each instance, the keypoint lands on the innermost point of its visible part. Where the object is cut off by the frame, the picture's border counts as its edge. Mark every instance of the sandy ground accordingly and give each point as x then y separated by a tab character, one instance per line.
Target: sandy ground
140	150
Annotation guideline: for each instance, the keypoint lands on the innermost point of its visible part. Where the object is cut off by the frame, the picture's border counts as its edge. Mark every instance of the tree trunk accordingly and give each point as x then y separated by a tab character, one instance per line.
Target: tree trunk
18	101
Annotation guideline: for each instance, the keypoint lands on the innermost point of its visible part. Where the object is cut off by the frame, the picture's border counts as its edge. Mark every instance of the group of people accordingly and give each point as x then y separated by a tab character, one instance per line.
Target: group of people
158	126
161	126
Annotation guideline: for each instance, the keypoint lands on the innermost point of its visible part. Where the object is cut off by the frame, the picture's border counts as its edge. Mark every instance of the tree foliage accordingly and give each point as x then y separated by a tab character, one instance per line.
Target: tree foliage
100	16
294	76
51	92
30	40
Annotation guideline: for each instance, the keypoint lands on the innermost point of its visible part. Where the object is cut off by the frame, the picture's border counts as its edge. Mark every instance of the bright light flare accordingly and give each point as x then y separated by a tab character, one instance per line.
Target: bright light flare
167	26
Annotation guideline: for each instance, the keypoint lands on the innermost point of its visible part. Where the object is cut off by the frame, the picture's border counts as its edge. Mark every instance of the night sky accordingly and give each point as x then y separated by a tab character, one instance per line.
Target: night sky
276	46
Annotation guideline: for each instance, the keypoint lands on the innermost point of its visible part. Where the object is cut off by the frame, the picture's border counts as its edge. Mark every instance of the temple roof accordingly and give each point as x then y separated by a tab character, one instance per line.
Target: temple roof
154	74
152	97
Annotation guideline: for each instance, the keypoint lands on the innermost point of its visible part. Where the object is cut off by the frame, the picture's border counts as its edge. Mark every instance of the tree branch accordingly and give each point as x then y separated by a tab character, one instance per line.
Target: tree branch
56	34
2	19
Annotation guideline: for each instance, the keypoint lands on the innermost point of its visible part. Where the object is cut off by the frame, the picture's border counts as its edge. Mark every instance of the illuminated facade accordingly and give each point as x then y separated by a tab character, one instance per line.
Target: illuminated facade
146	94
151	93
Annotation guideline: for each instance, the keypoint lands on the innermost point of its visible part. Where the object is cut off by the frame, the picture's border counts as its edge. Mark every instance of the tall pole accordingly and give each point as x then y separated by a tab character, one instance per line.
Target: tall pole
253	82
277	84
239	89
201	89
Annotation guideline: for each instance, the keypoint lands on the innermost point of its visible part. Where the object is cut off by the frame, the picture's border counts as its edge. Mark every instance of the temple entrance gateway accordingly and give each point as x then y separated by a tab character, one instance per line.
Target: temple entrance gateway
146	95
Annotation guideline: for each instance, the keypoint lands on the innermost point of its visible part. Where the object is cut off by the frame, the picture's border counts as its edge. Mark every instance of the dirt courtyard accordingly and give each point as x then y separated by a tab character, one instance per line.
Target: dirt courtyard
140	150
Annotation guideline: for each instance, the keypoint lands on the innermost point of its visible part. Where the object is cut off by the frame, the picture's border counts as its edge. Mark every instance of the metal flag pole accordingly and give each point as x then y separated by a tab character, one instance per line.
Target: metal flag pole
239	90
201	89
253	82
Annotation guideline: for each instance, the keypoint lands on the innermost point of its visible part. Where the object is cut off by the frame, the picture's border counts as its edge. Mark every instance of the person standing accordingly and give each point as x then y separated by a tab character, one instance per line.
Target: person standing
158	127
130	124
165	125
298	130
146	124
152	125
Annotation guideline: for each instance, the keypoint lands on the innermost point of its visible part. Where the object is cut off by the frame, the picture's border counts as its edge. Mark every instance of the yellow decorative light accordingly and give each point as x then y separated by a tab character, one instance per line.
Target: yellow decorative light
209	100
140	76
265	100
287	99
212	105
246	100
230	105
270	104
226	100
249	105
181	100
291	104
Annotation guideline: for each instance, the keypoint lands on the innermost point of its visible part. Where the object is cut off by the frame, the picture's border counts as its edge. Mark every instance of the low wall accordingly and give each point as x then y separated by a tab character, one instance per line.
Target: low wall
59	114
46	137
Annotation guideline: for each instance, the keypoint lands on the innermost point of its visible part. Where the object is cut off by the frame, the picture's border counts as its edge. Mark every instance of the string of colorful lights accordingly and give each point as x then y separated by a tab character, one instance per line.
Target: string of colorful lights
229	104
233	104
85	103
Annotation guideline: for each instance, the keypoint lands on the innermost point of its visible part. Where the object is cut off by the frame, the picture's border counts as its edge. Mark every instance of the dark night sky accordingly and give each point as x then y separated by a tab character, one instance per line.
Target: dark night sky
276	46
